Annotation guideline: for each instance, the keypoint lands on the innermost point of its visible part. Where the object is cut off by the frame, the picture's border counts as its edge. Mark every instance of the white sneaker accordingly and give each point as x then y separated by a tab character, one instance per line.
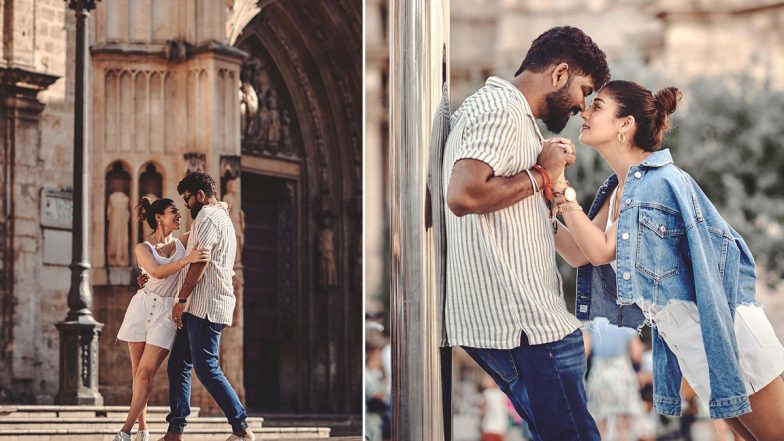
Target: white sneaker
122	436
142	435
249	436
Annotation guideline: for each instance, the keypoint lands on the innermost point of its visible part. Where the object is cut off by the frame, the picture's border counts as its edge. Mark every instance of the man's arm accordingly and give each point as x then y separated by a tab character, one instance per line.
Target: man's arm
475	189
192	277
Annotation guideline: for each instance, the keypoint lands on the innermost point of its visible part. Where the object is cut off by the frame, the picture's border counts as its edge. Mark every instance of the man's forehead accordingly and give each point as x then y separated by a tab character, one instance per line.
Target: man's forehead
585	81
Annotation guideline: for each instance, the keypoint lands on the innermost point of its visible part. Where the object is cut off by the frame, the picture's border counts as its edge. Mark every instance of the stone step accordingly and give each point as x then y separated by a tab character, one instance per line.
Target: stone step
279	434
215	423
30	411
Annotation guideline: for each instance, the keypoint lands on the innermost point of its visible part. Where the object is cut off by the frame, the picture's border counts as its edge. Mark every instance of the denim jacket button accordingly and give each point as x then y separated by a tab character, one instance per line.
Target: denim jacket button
625	236
663	229
627	276
638	175
628	201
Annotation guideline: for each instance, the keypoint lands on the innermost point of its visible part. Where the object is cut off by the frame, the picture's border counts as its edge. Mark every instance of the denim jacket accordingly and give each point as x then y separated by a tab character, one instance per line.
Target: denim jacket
674	246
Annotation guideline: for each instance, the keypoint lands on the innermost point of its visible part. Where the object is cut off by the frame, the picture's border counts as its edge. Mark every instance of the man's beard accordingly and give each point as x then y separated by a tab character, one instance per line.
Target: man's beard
559	110
195	209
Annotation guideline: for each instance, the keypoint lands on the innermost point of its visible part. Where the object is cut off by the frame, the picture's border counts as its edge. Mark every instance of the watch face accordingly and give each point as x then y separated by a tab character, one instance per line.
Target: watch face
570	194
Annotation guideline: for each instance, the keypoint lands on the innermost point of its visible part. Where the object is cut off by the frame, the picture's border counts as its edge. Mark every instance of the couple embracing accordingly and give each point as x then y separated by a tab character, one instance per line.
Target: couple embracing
651	250
185	301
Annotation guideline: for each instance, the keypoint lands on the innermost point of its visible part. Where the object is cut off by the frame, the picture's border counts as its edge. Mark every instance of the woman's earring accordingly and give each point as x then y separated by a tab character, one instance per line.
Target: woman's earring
621	137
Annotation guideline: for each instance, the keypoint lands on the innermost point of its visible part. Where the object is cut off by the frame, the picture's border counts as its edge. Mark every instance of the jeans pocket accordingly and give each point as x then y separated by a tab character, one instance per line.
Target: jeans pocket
502	363
215	328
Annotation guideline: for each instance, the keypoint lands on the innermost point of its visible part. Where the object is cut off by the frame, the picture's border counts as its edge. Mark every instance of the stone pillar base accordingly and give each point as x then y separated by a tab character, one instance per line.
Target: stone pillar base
79	362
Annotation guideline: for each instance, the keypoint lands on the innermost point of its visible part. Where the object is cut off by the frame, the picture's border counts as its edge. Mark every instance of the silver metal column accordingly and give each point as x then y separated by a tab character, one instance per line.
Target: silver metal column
419	30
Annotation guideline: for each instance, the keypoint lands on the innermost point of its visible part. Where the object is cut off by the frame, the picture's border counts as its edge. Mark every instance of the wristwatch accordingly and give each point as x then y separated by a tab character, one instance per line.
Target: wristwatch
181	300
569	194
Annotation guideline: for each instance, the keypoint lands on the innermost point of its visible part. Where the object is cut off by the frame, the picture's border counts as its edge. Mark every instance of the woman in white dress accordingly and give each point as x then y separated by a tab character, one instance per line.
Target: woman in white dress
147	326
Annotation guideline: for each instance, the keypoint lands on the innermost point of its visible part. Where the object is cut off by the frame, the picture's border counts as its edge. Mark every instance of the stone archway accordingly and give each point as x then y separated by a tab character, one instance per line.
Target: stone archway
301	194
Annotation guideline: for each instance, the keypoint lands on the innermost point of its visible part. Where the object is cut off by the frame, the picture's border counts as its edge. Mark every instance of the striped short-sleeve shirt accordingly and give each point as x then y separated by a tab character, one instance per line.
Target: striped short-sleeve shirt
213	296
502	277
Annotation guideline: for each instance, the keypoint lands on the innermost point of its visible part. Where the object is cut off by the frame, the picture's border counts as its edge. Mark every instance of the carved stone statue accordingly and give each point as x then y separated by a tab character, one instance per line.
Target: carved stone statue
118	213
266	120
237	216
328	275
273	131
194	162
285	133
249	109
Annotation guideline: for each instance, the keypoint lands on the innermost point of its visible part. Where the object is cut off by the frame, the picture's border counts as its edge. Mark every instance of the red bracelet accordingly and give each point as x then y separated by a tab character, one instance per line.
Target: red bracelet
548	186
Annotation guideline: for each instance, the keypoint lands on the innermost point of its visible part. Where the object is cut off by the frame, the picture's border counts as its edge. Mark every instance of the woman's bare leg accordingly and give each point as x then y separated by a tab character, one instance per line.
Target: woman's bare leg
740	431
136	349
766	420
151	359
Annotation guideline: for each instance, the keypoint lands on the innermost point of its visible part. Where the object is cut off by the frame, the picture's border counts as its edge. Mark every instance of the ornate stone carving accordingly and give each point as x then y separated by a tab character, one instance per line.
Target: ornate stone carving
302	77
177	50
194	162
265	118
118	214
237	216
231	166
327	270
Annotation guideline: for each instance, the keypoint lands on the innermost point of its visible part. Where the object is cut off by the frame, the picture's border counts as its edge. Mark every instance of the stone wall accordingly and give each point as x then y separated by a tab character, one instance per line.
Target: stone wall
41	158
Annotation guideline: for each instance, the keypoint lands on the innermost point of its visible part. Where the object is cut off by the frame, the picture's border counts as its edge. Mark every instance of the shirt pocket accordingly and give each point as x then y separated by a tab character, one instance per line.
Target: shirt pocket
658	238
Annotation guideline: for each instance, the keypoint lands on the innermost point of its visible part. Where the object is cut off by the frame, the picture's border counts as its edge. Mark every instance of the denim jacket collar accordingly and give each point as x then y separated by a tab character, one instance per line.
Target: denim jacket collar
659	158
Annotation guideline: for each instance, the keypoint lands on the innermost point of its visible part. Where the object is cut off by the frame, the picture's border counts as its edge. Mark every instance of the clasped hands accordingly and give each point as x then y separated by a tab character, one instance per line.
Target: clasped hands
557	154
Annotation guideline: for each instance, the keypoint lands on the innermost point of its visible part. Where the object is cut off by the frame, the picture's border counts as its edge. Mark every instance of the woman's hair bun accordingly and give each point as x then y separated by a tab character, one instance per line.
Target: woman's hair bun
143	207
667	99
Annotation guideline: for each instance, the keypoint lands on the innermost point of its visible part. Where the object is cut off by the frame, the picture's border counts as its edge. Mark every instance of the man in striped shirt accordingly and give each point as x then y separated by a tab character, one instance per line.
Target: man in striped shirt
504	299
205	307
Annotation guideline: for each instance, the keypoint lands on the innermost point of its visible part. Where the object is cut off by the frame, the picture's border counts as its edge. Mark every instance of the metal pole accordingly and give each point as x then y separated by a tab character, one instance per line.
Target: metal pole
419	29
79	332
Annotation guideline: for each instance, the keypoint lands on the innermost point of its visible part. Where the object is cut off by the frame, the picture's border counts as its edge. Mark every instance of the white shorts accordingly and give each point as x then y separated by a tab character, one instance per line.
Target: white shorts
148	319
761	353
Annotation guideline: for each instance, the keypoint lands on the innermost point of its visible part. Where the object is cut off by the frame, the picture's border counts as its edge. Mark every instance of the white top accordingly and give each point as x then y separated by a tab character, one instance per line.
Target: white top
502	277
166	287
610	223
213	296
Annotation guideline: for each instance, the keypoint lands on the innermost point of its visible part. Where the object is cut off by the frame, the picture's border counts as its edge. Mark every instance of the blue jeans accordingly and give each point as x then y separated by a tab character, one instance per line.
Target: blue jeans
196	346
545	384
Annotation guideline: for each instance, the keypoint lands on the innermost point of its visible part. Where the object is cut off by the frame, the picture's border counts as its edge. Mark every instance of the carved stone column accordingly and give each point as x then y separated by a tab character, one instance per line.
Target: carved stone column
419	31
19	129
232	360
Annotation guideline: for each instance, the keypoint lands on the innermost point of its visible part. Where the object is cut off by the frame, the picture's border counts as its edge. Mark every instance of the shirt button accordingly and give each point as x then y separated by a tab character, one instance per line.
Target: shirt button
627	276
637	175
150	313
628	201
625	236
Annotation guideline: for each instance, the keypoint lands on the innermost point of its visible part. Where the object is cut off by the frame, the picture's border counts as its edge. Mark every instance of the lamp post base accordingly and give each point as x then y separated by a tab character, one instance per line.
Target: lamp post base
79	362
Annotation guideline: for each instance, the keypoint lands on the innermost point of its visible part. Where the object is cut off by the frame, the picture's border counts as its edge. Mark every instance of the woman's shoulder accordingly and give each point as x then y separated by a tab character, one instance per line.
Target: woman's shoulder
668	179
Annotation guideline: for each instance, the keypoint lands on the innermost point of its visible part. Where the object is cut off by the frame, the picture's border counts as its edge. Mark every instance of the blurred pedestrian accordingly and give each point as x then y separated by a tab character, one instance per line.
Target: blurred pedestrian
612	387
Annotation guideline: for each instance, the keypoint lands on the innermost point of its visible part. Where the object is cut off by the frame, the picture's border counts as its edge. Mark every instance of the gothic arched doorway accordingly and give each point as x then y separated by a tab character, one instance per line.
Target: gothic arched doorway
301	198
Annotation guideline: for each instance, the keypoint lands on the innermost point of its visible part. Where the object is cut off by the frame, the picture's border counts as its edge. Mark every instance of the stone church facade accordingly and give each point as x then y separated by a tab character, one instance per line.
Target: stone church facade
263	95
